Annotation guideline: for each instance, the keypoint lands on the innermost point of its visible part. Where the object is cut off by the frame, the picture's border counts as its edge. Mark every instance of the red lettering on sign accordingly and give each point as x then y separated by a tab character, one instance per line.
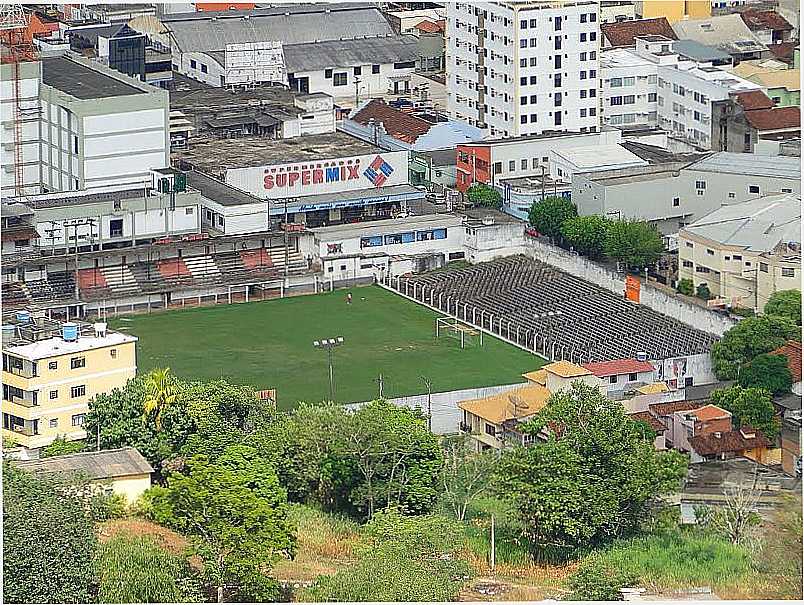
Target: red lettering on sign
292	178
268	182
318	176
281	179
353	172
306	177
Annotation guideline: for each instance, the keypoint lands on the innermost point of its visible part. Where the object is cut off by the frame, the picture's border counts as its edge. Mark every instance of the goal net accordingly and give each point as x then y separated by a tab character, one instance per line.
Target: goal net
463	333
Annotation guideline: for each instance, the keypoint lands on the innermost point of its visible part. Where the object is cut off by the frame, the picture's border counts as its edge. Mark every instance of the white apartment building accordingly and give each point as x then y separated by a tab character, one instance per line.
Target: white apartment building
516	68
82	126
686	94
628	80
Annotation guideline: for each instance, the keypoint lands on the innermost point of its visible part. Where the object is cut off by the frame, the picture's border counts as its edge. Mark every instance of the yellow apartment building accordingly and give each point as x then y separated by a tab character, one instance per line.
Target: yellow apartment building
674	10
51	370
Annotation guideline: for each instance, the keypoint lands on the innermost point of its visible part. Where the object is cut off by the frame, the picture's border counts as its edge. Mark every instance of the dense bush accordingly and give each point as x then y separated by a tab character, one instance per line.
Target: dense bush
596	580
685	287
785	303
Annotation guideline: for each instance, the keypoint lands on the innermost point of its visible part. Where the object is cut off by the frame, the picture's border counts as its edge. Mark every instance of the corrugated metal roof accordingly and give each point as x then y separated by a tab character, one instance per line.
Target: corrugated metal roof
344	53
198	32
728	32
106	464
750	164
760	224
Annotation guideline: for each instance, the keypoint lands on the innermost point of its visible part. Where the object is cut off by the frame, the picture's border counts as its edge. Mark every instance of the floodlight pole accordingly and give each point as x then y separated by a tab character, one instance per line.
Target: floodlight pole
331	375
329	344
428	384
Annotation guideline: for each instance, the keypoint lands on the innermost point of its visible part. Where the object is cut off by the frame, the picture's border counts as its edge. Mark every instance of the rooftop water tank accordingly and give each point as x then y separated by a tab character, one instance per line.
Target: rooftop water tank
9	331
23	317
642	356
69	332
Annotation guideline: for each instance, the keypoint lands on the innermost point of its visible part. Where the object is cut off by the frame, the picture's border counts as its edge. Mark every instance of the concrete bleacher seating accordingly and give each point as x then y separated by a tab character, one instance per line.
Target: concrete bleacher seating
120	279
202	267
556	312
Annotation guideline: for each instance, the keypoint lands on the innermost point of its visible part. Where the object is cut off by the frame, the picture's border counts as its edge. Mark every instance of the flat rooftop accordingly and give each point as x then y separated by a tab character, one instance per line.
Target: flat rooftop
213	155
220	192
56	346
83	82
394	225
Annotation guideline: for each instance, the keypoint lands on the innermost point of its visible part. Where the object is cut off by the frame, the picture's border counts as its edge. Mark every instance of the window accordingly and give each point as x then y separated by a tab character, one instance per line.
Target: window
193	64
583	37
632	377
339	79
523	119
651	97
788	272
687	263
497	167
612	379
405	65
592	17
616	82
629	100
592	93
78	362
523	62
583	93
523	100
375	69
737	257
753	189
78	391
523	43
78	419
583	17
533	80
533	61
582	75
54	394
534	163
700	184
533	22
533	99
52	365
523	81
204	68
710	252
616	101
731	195
490	430
358	70
523	24
763	267
676	202
75	144
787	190
524	162
116	227
533	118
689	244
327	73
511	165
592	36
113	353
583	56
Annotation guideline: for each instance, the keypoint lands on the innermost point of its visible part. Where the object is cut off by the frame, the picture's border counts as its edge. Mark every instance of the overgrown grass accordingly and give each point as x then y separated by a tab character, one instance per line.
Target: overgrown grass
680	559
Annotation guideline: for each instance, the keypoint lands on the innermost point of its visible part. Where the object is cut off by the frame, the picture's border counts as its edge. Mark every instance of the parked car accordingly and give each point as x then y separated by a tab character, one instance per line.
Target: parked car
531	232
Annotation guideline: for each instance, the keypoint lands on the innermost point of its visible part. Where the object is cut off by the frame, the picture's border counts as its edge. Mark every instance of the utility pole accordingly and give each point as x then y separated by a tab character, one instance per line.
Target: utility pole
493	546
75	224
357	91
380	384
429	385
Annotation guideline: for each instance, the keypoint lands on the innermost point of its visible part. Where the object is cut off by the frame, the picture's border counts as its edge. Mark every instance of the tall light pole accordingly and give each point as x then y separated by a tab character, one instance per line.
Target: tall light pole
329	344
429	386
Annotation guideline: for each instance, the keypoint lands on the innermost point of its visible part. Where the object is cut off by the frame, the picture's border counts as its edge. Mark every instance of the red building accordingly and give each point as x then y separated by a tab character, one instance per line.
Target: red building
473	164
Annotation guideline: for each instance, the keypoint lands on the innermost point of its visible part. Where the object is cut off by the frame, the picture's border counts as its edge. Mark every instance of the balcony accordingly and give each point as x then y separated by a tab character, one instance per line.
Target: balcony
24	429
23	372
464	428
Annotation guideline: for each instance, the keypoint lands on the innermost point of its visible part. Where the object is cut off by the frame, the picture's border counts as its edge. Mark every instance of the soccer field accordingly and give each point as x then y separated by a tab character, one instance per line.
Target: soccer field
270	345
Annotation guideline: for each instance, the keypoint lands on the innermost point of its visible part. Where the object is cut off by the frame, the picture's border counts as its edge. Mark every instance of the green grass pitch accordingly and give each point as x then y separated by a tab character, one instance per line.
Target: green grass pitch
270	345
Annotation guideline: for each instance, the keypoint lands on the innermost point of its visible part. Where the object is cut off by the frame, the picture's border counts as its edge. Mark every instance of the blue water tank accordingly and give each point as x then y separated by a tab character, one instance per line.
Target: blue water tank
23	317
69	331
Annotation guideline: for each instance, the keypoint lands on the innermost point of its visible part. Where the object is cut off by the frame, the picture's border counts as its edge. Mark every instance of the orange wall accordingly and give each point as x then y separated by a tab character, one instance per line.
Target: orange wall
473	165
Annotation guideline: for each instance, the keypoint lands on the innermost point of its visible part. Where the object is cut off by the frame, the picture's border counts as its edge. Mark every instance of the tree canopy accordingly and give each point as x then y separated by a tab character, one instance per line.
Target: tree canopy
484	195
592	479
749	407
587	234
785	303
548	215
466	474
49	544
750	337
634	243
769	372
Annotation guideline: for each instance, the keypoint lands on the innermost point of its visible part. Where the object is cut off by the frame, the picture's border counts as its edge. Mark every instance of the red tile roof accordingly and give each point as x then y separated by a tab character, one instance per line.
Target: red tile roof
754	99
430	27
778	118
624	32
792	350
654	422
711	412
398	124
757	19
618	366
666	409
783	51
732	442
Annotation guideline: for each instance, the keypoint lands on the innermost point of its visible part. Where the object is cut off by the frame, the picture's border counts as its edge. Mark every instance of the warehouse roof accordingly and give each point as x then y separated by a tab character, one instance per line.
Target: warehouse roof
290	24
105	464
213	155
600	157
760	224
727	32
81	81
340	53
727	162
778	118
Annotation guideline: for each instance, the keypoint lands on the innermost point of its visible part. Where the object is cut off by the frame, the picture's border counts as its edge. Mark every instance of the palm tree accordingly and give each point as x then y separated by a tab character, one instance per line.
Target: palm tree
160	390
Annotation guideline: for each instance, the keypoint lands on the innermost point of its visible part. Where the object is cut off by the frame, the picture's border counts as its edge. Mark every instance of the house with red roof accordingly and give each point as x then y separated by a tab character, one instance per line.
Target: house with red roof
623	34
769	26
744	442
622	374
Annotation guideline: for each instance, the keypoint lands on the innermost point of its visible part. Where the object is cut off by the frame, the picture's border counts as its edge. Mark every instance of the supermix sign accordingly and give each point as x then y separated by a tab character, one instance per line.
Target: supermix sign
340	175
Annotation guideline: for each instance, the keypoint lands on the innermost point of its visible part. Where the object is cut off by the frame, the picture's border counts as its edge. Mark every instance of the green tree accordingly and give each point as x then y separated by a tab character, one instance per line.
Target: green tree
750	337
161	392
466	474
587	234
48	542
235	512
481	194
769	372
749	407
134	569
592	480
685	287
547	216
785	303
634	243
396	459
702	291
61	447
595	580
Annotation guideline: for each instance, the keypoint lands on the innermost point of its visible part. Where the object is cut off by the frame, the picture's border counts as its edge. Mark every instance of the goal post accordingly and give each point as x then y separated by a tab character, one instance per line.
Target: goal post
460	331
